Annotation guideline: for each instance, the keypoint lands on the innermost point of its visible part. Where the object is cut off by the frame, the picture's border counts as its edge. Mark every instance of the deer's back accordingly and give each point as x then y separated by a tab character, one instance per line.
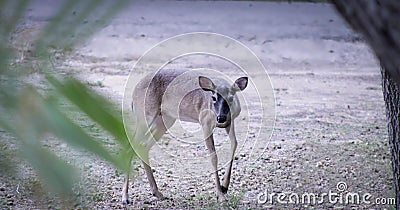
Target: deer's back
171	91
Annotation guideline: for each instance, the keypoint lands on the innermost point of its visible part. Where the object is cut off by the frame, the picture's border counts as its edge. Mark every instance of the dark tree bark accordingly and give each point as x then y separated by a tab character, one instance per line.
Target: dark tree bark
392	100
379	23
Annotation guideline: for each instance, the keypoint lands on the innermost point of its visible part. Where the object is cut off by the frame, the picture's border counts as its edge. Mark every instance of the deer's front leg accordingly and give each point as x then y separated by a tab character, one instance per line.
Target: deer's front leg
227	177
214	162
207	121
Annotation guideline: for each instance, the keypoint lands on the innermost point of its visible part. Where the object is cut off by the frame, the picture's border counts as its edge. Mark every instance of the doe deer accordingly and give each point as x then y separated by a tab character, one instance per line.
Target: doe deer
163	97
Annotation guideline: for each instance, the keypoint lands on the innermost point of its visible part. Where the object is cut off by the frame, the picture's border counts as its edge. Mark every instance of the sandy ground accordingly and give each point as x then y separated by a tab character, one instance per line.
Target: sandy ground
330	119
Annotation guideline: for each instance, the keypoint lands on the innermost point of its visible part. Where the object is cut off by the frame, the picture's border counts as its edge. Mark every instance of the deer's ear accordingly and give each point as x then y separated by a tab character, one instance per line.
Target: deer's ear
240	83
206	83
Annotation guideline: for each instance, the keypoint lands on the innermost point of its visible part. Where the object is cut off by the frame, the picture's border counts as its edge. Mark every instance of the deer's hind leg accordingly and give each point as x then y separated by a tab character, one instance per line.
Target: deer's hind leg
157	129
125	190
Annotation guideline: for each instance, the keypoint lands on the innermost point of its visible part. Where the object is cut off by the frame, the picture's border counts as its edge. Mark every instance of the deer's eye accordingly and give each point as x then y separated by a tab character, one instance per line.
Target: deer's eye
214	98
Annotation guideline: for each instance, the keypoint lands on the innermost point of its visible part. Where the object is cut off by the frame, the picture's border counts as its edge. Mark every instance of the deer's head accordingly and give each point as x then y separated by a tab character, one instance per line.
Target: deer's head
224	98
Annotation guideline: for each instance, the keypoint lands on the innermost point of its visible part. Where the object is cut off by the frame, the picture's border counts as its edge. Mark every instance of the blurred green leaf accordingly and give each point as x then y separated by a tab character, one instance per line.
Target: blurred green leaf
65	129
9	25
75	22
29	125
56	174
30	114
95	106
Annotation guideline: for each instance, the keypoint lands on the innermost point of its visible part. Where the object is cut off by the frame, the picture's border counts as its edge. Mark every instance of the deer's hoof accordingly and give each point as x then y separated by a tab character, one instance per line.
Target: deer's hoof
224	189
159	195
221	198
126	202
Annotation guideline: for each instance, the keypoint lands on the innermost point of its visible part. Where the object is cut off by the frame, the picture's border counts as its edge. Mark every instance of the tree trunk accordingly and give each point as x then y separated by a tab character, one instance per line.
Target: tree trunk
379	23
392	101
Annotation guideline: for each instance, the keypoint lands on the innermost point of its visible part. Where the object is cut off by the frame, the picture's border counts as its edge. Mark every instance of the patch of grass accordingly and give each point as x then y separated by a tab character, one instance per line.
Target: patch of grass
234	200
210	202
95	84
96	197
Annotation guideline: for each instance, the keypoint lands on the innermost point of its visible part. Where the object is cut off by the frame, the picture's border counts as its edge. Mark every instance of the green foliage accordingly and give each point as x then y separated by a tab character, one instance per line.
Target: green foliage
30	114
234	200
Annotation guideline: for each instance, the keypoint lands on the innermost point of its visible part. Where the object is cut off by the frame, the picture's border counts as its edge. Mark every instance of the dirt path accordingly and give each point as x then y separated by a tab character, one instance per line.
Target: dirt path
330	118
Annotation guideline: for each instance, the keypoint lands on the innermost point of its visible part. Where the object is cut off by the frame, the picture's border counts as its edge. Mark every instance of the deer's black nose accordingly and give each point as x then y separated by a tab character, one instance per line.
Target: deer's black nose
221	119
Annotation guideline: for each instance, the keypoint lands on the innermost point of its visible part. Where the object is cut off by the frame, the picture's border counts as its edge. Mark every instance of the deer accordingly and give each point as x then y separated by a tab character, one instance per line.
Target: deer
165	96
